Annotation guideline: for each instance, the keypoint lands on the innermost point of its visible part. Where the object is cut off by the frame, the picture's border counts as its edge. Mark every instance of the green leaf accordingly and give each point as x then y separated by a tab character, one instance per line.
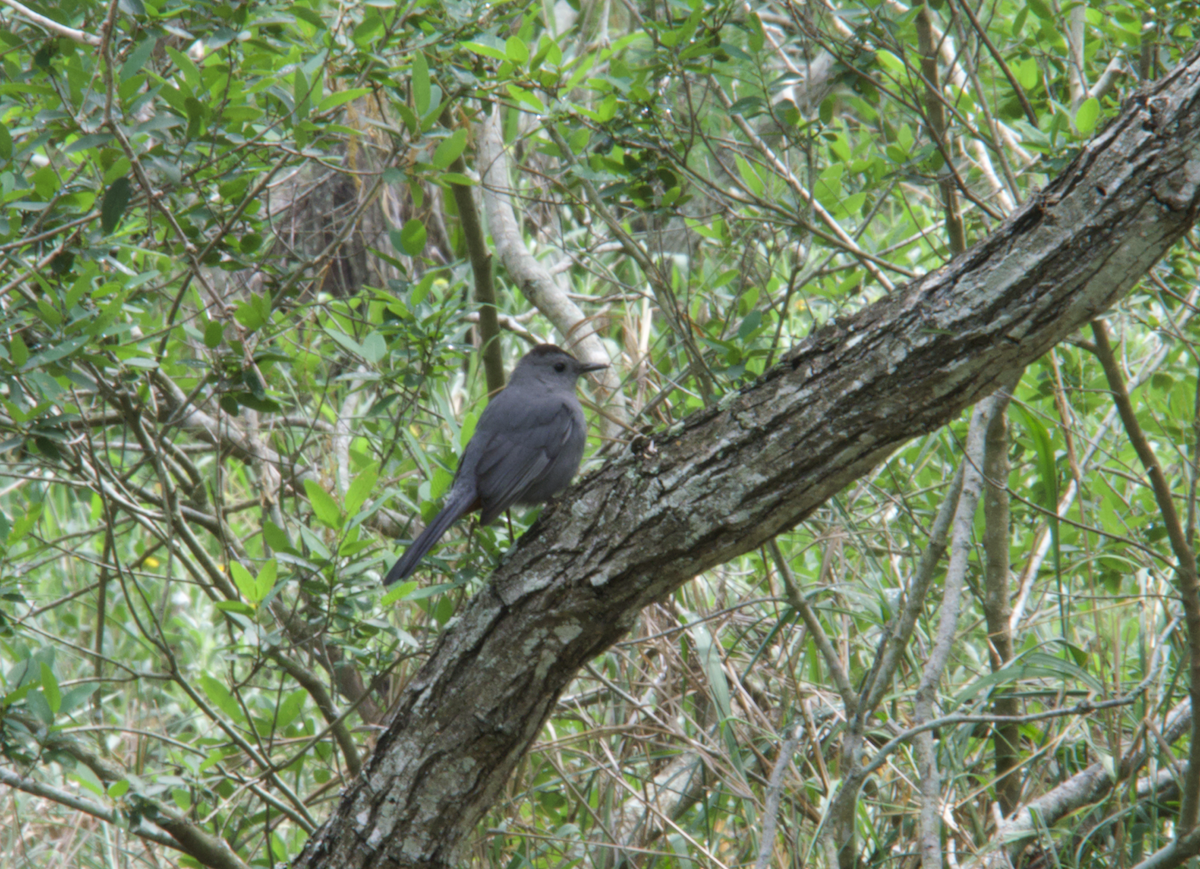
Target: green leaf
411	121
527	97
302	93
1035	665
374	347
412	237
890	62
276	537
1087	115
360	489
253	383
78	290
754	32
1048	470
1027	73
1041	9
24	524
467	430
314	543
449	149
48	313
341	97
191	75
1018	23
400	592
365	33
290	708
671	38
17	350
265	581
708	650
220	697
308	15
516	50
749	325
76	696
249	315
262	301
112	209
137	58
243	580
88	779
324	506
709	653
117	169
50	688
214	334
346	341
64	348
749	176
826	111
234	606
482	48
420	84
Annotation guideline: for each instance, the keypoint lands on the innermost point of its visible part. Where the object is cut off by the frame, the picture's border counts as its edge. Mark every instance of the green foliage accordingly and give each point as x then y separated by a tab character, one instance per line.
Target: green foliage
236	365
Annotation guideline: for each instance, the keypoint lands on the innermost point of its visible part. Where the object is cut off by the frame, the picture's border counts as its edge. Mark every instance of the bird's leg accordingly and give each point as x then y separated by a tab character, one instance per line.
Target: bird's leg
508	519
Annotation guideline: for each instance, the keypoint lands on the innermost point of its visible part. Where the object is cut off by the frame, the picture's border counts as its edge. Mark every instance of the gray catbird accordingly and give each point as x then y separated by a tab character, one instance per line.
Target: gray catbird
526	448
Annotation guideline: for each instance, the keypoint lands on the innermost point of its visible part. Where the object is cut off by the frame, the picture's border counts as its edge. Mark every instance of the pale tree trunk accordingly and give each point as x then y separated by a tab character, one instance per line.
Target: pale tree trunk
729	479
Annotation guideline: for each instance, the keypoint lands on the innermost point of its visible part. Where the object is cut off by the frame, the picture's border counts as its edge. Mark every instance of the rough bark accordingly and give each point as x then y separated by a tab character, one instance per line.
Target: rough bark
728	479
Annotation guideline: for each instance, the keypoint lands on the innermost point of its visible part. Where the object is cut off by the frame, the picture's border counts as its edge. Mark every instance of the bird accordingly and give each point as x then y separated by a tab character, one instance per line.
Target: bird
527	446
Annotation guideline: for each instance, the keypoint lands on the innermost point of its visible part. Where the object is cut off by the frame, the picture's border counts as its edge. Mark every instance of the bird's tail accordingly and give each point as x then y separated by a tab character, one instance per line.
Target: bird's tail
425	541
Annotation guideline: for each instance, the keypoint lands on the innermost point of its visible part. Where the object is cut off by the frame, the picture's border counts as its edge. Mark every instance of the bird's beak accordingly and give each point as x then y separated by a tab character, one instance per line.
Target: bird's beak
588	367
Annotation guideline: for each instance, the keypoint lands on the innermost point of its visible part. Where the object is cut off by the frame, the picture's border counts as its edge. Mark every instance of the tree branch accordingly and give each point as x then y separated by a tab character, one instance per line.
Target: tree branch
52	25
729	478
531	276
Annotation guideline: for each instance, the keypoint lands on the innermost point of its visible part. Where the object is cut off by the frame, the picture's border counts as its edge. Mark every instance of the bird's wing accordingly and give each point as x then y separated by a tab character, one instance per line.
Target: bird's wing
514	460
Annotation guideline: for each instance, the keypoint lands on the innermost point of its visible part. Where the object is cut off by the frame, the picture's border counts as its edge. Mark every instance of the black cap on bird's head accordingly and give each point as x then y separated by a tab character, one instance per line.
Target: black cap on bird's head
551	357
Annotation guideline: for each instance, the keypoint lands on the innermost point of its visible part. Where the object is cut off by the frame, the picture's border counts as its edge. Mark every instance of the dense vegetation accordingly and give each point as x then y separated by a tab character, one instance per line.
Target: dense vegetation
249	252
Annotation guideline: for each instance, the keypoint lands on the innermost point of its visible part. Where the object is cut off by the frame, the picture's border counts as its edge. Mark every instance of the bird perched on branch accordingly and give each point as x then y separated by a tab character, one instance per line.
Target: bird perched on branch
526	448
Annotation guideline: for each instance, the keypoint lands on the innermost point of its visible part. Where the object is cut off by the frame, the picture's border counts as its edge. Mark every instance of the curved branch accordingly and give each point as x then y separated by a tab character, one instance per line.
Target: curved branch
731	477
184	836
52	25
535	281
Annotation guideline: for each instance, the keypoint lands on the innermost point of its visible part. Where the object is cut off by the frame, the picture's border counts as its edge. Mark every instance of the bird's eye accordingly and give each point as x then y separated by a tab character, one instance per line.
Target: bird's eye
560	367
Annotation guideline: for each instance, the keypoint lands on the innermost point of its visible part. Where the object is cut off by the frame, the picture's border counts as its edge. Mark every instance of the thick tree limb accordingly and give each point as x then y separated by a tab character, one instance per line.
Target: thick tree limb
730	478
